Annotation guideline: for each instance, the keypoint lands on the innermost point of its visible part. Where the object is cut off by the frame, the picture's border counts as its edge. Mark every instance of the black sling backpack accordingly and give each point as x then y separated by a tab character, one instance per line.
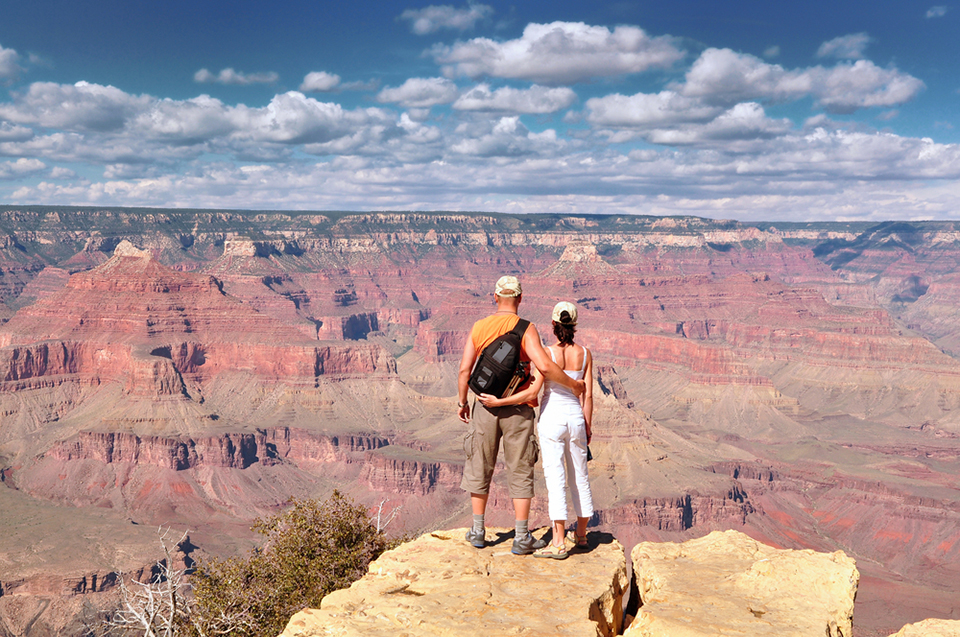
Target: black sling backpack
498	370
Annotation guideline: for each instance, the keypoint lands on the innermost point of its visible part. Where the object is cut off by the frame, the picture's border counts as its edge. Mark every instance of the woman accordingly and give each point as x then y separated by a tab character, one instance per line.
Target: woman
564	431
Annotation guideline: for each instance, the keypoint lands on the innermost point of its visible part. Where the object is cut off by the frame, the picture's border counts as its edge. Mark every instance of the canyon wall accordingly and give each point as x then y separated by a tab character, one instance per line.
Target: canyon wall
795	381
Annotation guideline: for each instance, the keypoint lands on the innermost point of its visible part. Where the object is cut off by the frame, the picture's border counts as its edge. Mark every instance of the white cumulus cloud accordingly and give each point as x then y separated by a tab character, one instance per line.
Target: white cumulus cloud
536	99
59	172
435	17
293	118
647	110
560	53
236	78
12	133
507	137
81	106
104	125
184	122
420	92
937	11
818	174
20	167
726	77
743	122
848	87
319	82
722	76
9	69
846	47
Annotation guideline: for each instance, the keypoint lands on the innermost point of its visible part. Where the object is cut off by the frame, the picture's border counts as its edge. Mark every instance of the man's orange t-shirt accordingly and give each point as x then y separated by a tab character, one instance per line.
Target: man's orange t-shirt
487	330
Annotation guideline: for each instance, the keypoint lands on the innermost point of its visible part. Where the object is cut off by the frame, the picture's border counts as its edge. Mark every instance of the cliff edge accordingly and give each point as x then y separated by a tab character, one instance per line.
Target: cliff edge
729	584
438	585
721	584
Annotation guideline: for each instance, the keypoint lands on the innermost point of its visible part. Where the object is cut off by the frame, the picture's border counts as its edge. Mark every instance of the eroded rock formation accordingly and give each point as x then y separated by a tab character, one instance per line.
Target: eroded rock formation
724	583
728	584
438	585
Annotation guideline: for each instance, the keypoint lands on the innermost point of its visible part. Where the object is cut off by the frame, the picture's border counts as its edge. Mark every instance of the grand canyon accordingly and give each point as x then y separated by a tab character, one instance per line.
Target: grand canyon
797	382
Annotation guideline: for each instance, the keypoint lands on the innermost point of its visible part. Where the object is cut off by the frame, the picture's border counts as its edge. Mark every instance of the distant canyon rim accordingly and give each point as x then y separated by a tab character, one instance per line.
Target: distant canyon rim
798	382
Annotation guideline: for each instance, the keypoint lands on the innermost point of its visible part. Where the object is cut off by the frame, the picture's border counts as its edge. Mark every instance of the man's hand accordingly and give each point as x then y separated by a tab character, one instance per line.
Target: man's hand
579	388
464	412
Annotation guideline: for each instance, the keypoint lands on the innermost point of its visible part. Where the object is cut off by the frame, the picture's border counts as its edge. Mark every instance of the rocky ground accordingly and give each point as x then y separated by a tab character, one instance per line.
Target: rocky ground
724	583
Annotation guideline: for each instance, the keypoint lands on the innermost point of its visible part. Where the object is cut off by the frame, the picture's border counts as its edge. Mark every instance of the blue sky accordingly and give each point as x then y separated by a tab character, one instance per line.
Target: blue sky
746	110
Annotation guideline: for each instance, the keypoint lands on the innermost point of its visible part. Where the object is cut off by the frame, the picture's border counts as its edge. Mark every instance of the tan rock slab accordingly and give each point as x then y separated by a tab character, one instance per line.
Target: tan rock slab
931	628
439	585
728	584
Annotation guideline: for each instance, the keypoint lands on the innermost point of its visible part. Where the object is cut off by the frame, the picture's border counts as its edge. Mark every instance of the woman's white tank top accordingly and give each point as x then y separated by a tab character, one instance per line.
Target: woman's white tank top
558	394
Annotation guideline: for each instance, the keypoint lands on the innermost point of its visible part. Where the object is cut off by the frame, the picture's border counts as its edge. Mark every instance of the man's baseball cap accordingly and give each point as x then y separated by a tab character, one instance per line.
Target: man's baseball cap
569	308
508	286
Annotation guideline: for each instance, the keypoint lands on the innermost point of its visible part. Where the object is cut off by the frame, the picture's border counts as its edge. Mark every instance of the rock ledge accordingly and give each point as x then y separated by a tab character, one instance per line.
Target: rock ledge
439	585
729	584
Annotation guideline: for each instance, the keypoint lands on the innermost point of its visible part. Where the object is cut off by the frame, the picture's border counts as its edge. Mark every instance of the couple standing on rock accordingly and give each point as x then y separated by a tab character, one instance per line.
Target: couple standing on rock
565	373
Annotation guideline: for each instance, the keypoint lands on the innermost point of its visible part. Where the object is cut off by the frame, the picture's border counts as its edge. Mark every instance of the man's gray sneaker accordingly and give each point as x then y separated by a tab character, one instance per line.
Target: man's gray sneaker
527	545
477	539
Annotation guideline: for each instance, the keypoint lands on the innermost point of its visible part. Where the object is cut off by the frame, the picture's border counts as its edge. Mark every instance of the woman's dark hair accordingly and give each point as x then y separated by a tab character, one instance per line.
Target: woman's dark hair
564	331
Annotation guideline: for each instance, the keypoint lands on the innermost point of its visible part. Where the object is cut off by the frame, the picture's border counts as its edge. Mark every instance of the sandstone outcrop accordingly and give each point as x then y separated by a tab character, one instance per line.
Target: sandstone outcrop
728	584
438	585
931	628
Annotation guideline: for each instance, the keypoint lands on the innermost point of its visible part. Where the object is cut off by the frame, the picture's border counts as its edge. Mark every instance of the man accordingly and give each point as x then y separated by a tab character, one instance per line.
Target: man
514	424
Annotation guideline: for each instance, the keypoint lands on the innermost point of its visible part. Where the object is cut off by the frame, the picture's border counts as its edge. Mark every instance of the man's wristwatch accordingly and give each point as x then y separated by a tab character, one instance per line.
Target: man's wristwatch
461	405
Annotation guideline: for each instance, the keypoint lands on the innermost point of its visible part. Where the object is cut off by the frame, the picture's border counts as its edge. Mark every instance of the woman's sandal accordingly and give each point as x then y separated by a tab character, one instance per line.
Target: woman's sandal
580	543
552	551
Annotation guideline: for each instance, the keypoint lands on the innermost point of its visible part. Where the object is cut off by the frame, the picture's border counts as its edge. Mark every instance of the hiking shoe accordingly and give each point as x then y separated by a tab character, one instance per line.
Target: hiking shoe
527	545
553	551
477	539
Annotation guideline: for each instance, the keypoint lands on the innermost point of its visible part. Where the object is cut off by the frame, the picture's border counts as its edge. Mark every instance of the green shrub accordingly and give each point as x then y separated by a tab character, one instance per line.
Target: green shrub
311	549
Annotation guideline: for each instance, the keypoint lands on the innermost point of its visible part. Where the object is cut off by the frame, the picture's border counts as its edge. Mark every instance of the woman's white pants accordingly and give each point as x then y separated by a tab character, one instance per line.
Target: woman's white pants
563	449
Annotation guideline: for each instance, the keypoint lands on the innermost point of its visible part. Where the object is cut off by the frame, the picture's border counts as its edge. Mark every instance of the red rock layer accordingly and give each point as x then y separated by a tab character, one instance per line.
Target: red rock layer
135	321
230	450
407	476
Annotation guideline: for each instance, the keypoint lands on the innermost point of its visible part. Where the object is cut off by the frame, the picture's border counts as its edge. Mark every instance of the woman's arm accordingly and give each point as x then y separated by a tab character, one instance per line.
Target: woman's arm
526	395
586	399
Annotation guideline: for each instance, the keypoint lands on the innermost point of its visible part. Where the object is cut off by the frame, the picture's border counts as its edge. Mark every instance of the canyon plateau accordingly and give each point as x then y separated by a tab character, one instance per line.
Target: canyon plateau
799	383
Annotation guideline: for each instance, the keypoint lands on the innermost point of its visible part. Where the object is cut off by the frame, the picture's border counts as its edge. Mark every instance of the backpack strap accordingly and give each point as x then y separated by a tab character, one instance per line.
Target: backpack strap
520	328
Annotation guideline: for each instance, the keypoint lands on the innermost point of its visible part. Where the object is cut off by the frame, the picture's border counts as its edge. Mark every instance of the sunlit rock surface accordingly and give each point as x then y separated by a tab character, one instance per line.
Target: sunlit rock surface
728	584
440	585
931	628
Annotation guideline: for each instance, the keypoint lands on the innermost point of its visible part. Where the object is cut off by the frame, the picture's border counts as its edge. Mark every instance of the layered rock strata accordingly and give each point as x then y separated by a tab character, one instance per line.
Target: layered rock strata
232	450
162	333
438	585
728	584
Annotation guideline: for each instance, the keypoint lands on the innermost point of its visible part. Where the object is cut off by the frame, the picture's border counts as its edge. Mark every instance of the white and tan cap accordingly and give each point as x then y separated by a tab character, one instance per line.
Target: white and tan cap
569	308
508	286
